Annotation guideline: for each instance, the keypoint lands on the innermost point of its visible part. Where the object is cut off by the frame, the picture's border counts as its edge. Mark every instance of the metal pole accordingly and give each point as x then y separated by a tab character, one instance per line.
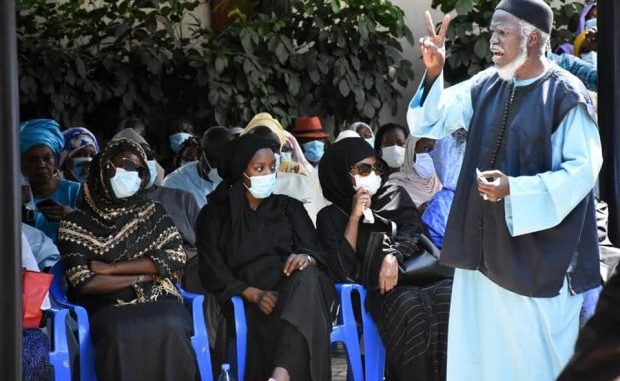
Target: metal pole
10	203
609	110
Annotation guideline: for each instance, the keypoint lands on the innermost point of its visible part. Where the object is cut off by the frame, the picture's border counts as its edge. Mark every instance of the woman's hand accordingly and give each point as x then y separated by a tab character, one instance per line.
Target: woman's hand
102	268
266	300
361	201
388	276
297	262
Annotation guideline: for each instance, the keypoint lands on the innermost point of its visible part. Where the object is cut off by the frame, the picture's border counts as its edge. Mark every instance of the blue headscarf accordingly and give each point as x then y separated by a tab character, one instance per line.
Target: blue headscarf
41	132
77	138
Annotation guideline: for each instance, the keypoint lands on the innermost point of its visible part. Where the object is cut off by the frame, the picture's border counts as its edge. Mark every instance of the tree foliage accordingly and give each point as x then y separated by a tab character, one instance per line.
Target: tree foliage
95	63
469	33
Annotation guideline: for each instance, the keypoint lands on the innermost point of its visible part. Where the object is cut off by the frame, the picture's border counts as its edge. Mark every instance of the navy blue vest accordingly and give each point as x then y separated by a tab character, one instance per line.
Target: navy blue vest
476	236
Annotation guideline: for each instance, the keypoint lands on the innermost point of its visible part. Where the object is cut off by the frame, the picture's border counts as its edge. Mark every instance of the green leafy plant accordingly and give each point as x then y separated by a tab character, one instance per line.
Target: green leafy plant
99	62
469	33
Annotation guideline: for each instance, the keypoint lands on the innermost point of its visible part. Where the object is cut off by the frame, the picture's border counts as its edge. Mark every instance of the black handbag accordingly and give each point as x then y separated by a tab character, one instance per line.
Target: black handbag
419	268
423	267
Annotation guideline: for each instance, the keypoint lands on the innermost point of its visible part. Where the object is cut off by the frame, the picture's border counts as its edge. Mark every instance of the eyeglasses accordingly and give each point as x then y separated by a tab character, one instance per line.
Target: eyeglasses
131	166
365	169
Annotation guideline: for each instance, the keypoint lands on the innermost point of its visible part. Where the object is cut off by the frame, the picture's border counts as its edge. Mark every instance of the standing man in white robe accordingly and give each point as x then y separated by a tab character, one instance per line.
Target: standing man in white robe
522	230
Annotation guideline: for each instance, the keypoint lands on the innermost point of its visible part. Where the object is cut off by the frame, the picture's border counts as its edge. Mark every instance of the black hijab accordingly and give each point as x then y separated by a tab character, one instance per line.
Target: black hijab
335	168
237	155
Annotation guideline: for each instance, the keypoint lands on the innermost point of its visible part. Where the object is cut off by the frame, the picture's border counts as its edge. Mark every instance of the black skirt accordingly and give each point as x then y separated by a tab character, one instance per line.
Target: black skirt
295	335
413	324
148	341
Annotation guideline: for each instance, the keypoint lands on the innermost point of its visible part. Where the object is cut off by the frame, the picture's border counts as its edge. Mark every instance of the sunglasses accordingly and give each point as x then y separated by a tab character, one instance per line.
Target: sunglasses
131	166
364	169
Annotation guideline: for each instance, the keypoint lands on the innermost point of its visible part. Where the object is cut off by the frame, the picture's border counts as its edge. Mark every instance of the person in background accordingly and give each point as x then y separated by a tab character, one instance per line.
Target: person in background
310	134
80	147
522	230
448	159
390	145
412	319
180	131
364	131
190	151
587	16
417	174
123	256
36	364
201	177
53	197
346	134
292	157
580	68
263	247
42	247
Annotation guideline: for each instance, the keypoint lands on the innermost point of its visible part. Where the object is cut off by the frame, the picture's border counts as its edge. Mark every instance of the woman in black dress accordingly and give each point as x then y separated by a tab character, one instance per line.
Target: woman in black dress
264	248
412	320
122	255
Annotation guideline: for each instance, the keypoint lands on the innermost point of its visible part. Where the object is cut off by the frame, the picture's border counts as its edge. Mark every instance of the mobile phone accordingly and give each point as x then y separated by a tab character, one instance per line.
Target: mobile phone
46	203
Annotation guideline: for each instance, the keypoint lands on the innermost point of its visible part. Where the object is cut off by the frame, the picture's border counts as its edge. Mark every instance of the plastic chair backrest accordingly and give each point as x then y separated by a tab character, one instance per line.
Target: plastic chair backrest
200	338
346	330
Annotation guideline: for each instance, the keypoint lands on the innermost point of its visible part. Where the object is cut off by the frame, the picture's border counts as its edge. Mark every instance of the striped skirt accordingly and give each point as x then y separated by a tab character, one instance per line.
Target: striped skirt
413	324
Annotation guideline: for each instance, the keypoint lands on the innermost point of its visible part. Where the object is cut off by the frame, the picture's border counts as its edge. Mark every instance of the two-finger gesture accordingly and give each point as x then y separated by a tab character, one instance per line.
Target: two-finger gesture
433	46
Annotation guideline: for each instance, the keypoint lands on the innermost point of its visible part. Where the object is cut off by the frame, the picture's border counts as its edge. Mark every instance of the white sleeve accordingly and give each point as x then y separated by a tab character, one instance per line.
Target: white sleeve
443	111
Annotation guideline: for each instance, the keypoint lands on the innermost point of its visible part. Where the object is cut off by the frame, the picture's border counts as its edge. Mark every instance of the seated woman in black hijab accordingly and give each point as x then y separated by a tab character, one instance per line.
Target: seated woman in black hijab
121	254
412	321
264	247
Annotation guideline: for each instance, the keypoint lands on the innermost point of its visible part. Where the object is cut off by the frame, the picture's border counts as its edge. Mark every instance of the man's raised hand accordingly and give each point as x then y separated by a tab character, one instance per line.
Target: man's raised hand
433	47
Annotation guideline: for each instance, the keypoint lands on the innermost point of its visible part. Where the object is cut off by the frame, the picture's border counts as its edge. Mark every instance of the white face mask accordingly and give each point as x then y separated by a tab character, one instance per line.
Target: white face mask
152	164
370	141
261	186
394	155
424	165
591	23
125	183
371	183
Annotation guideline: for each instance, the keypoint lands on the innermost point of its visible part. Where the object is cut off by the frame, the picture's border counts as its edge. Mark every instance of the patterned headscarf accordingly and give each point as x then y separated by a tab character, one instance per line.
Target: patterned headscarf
77	138
41	132
98	195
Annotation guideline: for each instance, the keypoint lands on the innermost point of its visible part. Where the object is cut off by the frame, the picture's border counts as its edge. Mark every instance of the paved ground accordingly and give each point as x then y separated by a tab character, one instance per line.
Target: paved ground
339	365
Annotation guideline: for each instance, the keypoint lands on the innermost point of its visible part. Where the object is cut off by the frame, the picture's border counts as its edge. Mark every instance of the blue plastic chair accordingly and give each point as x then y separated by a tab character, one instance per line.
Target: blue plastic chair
87	353
346	330
59	355
241	333
374	350
193	302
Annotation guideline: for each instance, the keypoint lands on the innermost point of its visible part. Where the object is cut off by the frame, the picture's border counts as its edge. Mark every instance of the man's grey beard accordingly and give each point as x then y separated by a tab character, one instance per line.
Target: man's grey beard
507	72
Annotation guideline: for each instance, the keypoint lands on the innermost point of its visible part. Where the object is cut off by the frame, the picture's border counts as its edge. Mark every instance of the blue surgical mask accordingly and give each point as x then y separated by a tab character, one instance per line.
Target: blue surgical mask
314	150
152	164
590	57
214	177
79	165
125	183
176	140
261	186
590	24
370	141
278	158
286	156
